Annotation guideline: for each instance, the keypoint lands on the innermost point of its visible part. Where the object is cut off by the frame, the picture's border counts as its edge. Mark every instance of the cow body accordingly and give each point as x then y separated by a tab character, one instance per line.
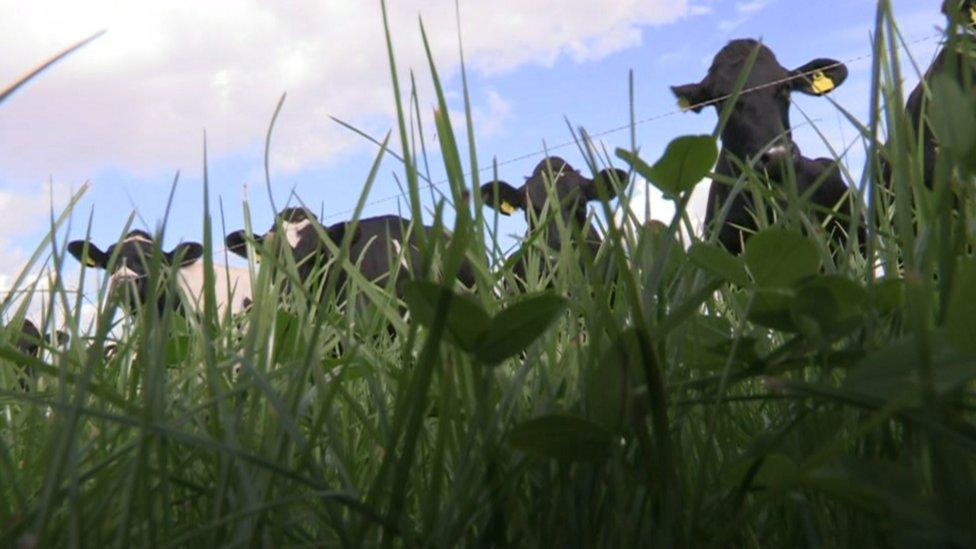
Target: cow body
758	133
29	341
129	262
963	14
571	191
376	248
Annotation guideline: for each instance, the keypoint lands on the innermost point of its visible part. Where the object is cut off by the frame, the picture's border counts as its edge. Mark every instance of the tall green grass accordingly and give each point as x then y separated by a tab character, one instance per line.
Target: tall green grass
651	395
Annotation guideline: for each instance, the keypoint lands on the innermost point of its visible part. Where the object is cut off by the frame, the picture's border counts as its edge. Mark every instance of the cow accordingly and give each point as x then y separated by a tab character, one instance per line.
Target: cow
572	191
758	131
963	14
375	248
129	262
29	341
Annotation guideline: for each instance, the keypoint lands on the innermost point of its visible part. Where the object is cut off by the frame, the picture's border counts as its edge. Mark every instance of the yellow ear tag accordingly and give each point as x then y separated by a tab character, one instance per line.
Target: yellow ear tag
972	15
90	262
683	104
821	83
506	208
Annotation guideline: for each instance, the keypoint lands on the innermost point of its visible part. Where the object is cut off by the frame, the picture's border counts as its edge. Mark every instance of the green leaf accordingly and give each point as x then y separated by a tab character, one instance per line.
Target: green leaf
892	372
778	258
466	321
961	317
834	304
775	471
686	161
880	485
611	382
515	328
177	349
772	308
562	437
889	295
289	344
706	343
718	262
952	115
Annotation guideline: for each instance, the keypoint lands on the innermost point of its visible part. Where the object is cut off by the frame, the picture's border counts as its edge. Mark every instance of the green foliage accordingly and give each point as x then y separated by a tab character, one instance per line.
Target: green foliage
685	162
491	340
562	438
778	258
719	263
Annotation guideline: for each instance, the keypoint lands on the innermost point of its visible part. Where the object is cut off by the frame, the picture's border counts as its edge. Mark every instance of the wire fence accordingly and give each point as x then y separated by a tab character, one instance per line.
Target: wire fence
549	149
641	122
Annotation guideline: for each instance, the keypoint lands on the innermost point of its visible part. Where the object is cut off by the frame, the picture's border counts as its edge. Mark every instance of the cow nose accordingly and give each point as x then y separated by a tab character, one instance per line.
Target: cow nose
776	155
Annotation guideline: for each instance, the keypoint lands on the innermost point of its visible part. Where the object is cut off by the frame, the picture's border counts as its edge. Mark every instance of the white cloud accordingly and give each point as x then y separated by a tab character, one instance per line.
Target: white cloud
23	214
752	6
744	11
138	98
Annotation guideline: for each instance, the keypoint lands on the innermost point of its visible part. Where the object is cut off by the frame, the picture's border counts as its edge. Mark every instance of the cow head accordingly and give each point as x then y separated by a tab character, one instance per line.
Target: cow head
572	192
128	261
760	119
296	228
963	12
29	340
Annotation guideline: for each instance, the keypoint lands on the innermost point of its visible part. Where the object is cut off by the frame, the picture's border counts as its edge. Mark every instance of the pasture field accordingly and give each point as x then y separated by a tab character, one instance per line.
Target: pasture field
655	394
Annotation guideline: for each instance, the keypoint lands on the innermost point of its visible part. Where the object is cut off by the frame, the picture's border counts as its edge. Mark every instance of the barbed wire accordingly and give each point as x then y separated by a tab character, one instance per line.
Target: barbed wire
559	146
641	122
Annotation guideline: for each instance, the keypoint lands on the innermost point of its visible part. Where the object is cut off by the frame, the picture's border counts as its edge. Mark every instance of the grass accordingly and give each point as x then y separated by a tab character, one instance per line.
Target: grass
651	395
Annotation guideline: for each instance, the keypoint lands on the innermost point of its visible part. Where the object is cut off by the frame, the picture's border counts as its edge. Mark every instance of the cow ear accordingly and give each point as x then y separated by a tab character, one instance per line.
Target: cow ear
609	180
819	77
88	254
963	12
502	197
187	253
236	243
691	96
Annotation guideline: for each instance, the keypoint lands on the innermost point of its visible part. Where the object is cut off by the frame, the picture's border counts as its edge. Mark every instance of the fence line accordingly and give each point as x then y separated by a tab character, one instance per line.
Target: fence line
640	122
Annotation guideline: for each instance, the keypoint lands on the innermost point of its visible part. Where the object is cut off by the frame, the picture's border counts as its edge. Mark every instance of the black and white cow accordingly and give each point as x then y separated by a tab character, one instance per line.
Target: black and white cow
758	131
963	14
572	191
29	341
376	247
129	262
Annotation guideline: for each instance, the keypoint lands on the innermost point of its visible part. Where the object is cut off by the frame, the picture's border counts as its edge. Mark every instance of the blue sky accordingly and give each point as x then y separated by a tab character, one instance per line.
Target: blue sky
128	114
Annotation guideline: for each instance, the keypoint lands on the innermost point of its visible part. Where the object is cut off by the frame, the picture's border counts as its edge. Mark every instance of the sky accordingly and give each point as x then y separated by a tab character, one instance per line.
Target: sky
130	113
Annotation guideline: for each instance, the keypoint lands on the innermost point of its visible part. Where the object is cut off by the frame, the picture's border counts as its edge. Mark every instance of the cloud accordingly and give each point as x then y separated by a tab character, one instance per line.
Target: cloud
743	12
137	99
752	6
22	214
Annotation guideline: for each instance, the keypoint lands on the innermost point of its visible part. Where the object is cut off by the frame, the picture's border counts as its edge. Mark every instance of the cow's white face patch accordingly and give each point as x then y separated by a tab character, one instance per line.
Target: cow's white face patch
398	250
137	238
293	231
124	274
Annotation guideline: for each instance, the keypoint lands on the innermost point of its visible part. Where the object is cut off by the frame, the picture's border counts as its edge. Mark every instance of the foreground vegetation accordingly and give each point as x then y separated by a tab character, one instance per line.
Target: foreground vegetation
652	395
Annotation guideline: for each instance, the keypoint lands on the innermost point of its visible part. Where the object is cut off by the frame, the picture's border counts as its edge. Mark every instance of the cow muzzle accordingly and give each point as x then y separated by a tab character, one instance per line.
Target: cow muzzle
776	156
127	287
